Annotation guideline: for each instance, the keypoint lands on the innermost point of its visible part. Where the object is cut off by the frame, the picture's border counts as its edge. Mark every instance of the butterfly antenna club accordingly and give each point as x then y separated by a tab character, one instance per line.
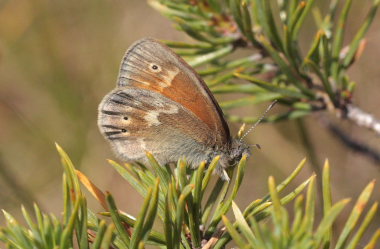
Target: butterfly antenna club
259	120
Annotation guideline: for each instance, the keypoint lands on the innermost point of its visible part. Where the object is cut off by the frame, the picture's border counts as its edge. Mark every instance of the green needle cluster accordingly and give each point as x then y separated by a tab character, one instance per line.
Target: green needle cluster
186	208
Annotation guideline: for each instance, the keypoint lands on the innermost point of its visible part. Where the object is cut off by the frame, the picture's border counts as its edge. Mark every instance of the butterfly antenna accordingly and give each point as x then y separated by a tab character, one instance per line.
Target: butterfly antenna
259	120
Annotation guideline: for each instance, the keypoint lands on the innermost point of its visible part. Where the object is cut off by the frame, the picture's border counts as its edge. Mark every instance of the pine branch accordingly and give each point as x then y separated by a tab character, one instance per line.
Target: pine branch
191	217
302	82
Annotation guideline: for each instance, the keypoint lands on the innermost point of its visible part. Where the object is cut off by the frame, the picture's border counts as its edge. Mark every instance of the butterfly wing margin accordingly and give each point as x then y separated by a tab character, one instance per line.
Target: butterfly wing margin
136	120
151	65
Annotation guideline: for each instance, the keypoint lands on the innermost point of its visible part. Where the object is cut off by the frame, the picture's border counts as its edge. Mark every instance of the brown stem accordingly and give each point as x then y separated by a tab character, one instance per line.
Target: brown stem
215	237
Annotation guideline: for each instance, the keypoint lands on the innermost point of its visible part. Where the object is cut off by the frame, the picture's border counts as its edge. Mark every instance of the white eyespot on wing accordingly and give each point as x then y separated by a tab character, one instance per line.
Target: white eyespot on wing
165	74
155	68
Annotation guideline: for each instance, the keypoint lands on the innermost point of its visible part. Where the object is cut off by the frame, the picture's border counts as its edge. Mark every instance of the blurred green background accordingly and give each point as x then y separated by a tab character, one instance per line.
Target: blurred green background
59	58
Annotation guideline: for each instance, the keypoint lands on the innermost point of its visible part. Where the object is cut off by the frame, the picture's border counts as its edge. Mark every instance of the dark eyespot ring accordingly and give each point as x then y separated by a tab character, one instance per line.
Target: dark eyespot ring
154	68
123	130
125	118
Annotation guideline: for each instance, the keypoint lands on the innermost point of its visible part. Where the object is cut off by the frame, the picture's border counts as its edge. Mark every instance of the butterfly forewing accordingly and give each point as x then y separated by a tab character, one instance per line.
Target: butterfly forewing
151	65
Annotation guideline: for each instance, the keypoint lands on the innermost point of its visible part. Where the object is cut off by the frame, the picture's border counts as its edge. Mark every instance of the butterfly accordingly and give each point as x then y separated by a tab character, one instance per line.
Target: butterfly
162	106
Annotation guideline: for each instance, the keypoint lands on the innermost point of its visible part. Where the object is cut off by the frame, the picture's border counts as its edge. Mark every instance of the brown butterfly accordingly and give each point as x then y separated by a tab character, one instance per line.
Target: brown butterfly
161	105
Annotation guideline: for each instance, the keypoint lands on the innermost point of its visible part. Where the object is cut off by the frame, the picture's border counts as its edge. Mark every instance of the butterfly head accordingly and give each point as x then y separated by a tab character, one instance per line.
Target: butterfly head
237	150
231	155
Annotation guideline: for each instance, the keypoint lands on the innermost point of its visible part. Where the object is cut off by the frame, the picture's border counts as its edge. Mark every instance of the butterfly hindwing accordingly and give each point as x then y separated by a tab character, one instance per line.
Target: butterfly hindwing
136	120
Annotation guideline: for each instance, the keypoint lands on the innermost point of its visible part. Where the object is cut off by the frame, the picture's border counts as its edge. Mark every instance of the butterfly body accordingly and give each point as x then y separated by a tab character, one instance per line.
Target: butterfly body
162	106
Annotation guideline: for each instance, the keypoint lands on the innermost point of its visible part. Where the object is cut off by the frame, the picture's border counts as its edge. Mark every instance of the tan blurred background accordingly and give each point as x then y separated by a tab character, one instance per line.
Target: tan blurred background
59	58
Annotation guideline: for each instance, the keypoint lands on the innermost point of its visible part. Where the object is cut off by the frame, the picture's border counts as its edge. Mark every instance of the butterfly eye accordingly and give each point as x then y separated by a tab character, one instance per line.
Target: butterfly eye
125	118
155	68
123	130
